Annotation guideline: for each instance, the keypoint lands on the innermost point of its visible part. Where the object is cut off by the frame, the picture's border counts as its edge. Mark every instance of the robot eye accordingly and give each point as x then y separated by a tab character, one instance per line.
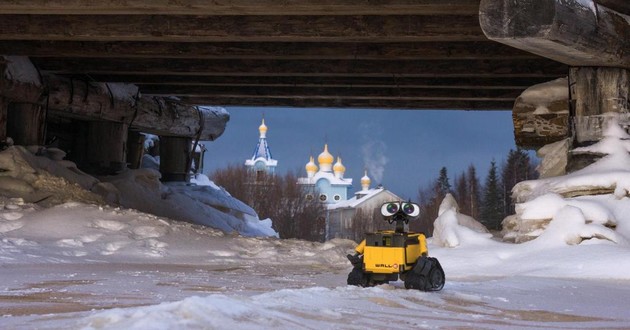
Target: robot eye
410	209
389	209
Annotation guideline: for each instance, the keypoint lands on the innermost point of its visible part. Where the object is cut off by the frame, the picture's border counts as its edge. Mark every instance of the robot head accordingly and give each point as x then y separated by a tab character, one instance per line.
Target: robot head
400	211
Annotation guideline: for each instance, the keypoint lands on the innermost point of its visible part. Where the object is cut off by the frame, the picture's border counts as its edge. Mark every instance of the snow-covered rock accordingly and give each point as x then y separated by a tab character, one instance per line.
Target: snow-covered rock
451	227
598	190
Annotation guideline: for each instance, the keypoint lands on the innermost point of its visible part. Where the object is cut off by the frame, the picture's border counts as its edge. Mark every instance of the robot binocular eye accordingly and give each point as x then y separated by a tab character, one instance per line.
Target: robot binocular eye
410	209
389	209
407	208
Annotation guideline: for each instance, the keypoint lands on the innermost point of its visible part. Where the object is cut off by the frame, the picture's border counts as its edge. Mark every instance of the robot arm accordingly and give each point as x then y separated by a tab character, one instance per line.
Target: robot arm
356	259
361	247
424	251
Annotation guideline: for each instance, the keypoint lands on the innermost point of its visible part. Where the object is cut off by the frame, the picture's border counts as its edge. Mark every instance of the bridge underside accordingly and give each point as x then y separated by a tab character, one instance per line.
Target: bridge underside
403	54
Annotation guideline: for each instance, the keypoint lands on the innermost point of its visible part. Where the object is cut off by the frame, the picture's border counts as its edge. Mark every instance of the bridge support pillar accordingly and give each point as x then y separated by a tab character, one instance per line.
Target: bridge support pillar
3	121
175	158
596	93
26	123
107	146
135	149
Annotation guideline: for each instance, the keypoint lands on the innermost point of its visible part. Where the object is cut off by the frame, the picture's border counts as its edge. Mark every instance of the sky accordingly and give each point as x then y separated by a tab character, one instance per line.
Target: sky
402	149
81	264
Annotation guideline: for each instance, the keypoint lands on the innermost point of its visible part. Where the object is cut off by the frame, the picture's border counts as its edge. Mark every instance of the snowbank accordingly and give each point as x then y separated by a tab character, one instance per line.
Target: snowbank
38	174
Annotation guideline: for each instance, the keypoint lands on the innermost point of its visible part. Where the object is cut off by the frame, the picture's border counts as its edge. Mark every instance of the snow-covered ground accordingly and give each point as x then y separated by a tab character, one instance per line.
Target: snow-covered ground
84	265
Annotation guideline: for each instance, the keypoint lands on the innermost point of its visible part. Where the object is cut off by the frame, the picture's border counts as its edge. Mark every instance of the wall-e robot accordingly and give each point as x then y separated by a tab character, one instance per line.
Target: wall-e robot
386	255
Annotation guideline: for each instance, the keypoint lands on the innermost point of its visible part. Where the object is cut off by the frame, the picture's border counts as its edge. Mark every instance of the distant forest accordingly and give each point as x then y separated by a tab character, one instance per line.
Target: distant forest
489	203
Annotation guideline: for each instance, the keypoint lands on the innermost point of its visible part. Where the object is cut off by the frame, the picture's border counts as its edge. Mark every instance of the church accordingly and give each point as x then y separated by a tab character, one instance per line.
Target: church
261	162
347	216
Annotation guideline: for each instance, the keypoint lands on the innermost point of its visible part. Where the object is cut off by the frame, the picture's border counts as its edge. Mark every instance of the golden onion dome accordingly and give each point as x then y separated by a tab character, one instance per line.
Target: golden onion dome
325	158
262	128
365	180
339	168
310	166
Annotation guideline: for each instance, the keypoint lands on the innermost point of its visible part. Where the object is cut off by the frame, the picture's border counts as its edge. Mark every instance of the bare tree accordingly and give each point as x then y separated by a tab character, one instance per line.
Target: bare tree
281	199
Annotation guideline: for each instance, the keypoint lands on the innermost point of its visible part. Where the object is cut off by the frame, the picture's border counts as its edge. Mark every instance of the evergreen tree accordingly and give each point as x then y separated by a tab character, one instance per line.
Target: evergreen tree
444	185
462	194
474	191
429	200
518	167
492	207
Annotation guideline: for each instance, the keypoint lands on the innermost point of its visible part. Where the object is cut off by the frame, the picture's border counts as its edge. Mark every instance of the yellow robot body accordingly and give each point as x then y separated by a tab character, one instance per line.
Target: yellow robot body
388	252
389	255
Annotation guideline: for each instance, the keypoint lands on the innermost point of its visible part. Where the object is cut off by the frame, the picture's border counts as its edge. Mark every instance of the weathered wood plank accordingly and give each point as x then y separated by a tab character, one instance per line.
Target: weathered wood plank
240	28
265	50
595	92
575	32
3	120
112	102
242	7
378	93
312	68
100	101
359	82
450	104
111	155
26	123
19	80
175	158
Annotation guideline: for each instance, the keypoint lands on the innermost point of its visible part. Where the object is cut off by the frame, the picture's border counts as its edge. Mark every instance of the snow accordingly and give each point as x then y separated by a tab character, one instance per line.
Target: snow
82	264
21	69
541	95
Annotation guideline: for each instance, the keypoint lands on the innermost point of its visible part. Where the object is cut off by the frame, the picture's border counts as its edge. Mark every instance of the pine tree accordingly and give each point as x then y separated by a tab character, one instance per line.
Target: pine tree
518	167
462	194
429	200
492	208
444	186
474	191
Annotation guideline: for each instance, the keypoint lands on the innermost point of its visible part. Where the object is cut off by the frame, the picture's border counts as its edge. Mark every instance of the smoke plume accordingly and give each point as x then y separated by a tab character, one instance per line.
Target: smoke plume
373	151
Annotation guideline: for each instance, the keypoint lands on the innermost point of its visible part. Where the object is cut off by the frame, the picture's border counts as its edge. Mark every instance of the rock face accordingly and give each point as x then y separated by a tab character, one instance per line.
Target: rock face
541	114
554	158
600	190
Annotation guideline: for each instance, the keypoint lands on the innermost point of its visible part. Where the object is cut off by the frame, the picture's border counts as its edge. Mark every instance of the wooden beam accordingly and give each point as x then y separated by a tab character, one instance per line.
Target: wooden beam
265	50
378	93
450	104
242	7
19	80
596	92
311	68
240	28
575	32
112	102
168	81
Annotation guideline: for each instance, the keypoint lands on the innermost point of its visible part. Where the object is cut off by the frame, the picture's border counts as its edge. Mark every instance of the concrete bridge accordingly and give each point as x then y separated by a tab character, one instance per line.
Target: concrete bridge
108	68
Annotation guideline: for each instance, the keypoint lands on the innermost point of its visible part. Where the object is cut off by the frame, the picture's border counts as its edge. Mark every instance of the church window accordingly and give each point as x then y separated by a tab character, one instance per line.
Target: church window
337	198
323	197
309	197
